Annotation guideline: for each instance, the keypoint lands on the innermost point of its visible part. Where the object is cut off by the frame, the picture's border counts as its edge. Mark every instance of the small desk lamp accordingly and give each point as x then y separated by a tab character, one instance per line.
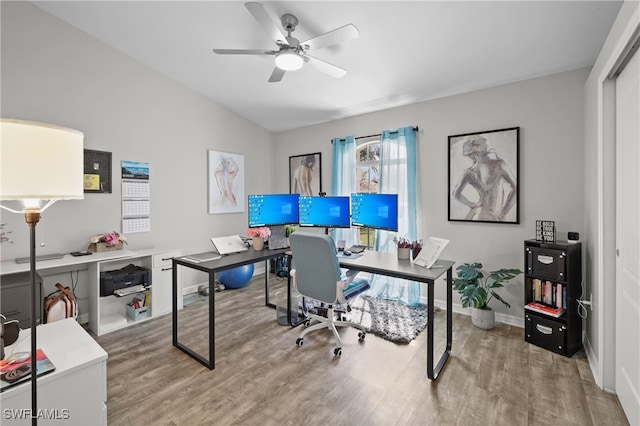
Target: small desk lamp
39	164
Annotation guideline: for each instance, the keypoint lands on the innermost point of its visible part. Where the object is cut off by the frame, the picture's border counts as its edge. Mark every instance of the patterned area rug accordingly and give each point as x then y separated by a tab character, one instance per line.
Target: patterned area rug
388	319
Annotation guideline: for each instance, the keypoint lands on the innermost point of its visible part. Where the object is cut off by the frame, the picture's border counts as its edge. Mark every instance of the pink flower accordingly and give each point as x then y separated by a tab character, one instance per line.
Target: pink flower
111	238
262	232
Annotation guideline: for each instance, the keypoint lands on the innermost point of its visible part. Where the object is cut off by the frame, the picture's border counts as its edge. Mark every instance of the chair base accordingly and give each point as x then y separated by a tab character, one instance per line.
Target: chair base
330	322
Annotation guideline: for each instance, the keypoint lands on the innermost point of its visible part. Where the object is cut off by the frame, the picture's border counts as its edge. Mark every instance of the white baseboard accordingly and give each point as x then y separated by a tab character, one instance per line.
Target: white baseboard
516	321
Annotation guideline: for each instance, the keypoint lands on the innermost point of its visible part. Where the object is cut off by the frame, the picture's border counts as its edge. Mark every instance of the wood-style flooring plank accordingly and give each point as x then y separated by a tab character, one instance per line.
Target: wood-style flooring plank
262	378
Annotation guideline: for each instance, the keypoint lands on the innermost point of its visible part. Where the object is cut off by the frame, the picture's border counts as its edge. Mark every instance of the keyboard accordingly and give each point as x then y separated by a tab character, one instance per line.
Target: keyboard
40	257
129	290
357	249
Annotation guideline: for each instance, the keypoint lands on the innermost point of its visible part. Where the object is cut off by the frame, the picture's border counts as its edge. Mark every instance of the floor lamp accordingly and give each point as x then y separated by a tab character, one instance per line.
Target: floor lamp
39	165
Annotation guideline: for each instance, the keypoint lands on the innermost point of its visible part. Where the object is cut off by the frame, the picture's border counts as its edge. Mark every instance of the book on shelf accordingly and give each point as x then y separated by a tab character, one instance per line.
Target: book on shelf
12	373
545	309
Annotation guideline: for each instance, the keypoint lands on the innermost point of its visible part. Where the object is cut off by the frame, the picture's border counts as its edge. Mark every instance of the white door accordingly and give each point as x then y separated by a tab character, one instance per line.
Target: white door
628	239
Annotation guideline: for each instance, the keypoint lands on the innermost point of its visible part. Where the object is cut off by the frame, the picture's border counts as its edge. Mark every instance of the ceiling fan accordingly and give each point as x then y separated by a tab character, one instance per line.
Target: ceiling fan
292	54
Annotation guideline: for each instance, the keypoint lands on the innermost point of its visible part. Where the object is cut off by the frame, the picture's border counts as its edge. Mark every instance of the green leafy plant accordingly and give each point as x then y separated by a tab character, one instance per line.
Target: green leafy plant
288	230
476	289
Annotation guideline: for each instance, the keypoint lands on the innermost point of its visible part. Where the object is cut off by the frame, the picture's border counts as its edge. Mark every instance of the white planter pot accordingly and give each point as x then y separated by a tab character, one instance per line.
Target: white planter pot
483	318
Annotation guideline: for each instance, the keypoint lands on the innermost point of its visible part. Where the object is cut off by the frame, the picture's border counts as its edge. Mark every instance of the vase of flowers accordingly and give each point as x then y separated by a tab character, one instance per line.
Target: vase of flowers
108	241
258	236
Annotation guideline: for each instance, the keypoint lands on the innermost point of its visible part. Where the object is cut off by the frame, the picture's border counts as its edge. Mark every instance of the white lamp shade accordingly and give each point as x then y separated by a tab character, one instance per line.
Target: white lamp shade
40	161
288	60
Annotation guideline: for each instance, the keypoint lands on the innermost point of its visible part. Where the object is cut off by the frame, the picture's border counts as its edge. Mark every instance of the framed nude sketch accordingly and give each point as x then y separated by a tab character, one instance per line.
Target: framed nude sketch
226	182
305	174
484	176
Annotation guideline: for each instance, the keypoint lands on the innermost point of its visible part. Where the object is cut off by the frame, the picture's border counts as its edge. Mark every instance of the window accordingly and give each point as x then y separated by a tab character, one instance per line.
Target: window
368	177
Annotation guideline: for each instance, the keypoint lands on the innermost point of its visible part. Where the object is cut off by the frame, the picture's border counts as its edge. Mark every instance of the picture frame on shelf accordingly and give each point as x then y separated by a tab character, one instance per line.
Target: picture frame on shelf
305	174
477	158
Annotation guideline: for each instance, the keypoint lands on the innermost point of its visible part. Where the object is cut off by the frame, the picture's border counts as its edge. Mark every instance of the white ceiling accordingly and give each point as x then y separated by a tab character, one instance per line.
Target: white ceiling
407	51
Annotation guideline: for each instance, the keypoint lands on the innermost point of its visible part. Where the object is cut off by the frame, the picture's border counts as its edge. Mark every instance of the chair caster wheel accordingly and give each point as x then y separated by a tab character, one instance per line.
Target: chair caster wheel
300	341
361	335
307	323
337	351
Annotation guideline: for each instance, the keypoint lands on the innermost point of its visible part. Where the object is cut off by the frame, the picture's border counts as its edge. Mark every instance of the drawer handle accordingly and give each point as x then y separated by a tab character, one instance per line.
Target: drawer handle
167	258
543	329
547	260
166	269
11	313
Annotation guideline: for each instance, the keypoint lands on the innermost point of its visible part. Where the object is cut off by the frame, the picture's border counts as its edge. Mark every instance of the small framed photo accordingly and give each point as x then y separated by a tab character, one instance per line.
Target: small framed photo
484	176
305	174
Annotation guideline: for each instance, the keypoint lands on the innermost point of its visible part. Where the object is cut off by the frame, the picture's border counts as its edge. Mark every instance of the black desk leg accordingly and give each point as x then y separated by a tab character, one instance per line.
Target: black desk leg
174	293
209	363
431	372
212	325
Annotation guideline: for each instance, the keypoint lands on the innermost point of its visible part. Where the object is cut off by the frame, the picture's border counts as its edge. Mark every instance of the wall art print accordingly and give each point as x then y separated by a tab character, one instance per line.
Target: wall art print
484	176
305	174
226	182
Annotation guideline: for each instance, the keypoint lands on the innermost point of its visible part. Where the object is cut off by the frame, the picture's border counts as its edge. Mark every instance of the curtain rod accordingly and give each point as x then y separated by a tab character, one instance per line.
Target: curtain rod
415	129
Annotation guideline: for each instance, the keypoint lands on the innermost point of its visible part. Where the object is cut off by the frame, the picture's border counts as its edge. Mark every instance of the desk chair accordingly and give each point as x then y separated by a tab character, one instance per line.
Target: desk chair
316	274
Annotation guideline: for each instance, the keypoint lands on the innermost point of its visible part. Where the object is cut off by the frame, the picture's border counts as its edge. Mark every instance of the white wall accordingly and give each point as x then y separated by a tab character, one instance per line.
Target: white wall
52	72
599	160
549	112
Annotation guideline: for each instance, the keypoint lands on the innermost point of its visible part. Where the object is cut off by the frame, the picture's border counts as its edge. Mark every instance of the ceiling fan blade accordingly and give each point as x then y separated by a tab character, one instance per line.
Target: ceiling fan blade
326	67
276	75
339	35
264	19
244	52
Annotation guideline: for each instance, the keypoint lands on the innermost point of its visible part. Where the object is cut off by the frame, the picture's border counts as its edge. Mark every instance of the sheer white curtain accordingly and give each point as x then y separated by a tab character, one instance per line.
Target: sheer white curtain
343	181
398	176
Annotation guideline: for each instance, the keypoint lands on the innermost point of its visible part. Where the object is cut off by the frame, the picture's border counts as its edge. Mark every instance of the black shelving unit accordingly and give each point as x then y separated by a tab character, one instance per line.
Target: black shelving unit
553	279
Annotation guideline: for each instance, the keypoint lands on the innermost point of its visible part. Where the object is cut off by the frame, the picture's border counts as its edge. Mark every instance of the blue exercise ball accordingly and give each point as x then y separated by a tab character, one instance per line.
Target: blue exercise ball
236	277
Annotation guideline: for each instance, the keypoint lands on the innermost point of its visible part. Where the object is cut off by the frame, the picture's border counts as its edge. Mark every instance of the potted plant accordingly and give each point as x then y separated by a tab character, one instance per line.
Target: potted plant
476	291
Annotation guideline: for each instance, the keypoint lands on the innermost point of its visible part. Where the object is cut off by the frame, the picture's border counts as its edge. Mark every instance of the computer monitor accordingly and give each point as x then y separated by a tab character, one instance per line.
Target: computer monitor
326	212
379	211
273	209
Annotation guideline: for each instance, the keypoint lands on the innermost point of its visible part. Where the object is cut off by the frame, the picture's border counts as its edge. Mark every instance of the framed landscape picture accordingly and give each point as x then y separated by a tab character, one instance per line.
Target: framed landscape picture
484	176
305	174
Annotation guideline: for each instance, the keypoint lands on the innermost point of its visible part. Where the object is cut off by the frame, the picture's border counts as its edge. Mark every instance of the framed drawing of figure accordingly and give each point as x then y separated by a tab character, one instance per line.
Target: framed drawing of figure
305	174
483	176
226	182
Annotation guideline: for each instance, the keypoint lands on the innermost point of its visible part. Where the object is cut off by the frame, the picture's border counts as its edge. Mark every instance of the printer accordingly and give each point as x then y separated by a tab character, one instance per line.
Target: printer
129	276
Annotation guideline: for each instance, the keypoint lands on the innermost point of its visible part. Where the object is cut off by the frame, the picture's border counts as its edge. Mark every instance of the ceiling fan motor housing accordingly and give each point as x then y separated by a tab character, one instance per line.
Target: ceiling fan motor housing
289	22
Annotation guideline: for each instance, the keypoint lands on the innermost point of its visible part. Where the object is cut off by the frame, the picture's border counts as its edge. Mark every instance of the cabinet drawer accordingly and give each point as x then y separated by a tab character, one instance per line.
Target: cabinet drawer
546	333
163	260
546	263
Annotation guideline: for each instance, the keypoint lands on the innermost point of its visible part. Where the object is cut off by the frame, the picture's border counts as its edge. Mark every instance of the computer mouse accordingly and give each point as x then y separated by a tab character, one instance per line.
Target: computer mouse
347	253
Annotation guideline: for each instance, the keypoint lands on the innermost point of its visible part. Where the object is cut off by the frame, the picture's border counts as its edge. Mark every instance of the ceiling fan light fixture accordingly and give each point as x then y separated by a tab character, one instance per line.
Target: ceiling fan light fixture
288	60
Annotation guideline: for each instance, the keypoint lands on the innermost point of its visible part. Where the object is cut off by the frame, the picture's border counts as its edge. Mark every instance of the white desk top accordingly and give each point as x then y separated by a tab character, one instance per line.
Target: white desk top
67	345
11	267
388	264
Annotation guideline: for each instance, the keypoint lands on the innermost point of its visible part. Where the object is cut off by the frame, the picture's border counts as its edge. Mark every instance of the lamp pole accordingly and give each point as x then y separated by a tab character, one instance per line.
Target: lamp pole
32	219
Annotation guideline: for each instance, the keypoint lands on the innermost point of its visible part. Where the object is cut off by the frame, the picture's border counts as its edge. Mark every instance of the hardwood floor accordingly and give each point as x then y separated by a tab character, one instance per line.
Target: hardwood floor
262	378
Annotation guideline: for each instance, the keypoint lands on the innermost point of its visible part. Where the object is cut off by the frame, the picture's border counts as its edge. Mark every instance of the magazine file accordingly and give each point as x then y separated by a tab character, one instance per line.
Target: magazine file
430	252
